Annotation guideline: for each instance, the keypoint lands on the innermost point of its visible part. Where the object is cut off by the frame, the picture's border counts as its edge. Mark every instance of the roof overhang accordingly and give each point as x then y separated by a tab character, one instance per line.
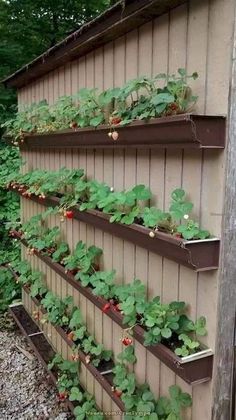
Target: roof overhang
114	22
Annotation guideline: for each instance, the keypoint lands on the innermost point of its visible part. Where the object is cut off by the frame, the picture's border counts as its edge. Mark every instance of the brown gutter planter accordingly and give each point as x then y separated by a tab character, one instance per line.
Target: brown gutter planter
105	380
199	255
193	369
37	341
177	131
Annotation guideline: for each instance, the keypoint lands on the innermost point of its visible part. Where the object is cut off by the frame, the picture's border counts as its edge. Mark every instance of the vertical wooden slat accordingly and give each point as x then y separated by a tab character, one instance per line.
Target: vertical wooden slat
98	234
173	178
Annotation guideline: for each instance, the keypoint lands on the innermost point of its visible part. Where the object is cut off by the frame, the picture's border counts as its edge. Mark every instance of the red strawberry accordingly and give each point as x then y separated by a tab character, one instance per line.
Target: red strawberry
178	235
127	341
118	392
115	120
69	214
173	106
106	307
62	396
73	125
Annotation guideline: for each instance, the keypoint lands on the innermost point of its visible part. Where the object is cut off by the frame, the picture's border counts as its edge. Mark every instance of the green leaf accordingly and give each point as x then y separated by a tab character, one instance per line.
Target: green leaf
173	416
76	319
127	355
148	396
150	322
174	391
94	122
185	399
79	413
156	331
178	194
145	407
166	332
97	350
129	401
79	333
153	416
142	192
182	72
162	98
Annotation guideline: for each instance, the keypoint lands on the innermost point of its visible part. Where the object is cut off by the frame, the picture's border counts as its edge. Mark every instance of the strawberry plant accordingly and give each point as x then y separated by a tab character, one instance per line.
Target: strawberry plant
57	309
42	182
83	259
163	323
127	355
135	397
9	291
61	252
132	298
88	408
59	312
139	99
62	114
91	111
32	279
102	283
64	366
92	193
80	336
69	387
139	399
171	408
191	230
167	221
38	286
125	207
47	240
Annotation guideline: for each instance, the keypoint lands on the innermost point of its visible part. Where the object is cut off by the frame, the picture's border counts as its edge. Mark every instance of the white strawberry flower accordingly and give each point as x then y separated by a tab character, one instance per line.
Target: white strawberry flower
186	216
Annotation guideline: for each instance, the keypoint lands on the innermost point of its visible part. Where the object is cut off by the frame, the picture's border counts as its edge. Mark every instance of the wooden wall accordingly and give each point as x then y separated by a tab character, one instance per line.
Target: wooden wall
190	36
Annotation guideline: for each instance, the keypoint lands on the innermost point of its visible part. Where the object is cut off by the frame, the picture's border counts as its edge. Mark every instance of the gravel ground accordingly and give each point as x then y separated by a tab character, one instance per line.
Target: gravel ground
25	392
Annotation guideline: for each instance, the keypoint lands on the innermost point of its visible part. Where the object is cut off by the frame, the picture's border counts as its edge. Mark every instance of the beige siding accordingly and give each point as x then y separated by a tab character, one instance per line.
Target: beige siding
190	36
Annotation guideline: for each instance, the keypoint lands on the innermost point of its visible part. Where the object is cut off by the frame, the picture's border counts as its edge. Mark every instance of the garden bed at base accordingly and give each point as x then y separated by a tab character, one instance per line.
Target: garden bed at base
37	341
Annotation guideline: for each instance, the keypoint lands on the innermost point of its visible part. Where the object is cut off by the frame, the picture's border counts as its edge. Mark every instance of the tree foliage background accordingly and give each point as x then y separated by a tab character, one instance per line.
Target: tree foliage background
27	29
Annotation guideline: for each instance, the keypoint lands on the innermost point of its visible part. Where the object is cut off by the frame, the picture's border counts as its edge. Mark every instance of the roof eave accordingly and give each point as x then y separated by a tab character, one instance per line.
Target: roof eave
114	22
